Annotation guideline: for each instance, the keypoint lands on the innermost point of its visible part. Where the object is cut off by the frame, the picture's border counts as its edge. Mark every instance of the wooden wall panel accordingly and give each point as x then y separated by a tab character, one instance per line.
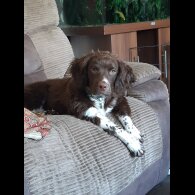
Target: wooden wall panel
121	43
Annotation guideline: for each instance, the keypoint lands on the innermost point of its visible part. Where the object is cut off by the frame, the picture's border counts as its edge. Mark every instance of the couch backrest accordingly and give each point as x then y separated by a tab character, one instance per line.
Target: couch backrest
51	45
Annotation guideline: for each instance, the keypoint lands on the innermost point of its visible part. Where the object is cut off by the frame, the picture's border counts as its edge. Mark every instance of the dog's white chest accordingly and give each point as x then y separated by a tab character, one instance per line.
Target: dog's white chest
99	103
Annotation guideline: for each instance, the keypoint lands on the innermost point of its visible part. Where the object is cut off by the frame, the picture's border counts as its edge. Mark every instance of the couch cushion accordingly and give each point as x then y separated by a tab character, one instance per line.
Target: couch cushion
144	72
32	60
39	13
77	157
152	90
33	69
54	49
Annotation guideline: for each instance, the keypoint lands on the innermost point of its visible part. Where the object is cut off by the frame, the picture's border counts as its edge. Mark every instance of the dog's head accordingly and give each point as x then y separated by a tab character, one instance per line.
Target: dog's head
101	73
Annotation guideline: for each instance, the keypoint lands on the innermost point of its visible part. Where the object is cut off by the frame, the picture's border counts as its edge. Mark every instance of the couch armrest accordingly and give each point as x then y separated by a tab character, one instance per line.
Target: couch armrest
152	90
147	86
143	72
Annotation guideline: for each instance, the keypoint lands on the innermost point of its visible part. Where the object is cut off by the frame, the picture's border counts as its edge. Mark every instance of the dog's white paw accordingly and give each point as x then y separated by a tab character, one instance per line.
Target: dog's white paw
132	143
130	127
135	147
136	133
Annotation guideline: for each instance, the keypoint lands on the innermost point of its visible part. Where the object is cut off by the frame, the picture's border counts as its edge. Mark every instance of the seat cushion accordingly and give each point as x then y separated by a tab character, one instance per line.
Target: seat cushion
33	69
54	50
78	157
152	90
39	13
143	72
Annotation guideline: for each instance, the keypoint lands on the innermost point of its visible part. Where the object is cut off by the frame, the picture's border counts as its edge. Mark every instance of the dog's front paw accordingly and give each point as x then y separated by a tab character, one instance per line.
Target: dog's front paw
139	153
141	139
131	142
131	128
136	133
136	148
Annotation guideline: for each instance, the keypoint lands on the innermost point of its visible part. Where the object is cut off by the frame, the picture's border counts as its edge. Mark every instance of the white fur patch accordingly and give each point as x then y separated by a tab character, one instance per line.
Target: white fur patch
99	102
129	140
106	123
91	112
106	80
129	126
109	109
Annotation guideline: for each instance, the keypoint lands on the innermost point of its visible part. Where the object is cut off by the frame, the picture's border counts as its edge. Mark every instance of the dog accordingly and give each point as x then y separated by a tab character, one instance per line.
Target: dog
98	85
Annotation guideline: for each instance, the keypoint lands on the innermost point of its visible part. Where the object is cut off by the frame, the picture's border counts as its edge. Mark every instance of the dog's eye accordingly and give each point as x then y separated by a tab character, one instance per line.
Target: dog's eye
94	69
112	71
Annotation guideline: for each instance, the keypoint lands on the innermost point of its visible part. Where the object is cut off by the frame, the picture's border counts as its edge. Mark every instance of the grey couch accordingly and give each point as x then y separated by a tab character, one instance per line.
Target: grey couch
77	157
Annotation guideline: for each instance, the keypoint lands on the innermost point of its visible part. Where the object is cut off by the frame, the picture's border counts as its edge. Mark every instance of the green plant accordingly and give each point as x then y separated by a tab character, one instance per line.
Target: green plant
100	11
94	12
117	10
137	10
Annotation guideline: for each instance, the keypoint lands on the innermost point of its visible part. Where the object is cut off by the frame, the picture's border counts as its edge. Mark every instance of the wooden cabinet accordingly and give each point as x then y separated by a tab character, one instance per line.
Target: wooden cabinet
143	41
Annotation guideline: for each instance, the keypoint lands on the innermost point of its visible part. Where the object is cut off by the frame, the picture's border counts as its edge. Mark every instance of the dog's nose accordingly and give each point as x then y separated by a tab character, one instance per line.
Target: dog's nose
102	85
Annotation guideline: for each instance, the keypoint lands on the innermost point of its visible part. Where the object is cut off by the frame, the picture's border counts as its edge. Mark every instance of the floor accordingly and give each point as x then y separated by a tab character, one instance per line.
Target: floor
161	189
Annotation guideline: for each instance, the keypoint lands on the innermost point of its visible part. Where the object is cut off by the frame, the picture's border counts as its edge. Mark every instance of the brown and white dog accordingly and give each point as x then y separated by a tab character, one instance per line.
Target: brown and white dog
97	87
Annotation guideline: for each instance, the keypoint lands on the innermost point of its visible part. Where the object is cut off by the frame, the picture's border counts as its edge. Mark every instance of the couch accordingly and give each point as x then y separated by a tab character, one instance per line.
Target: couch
77	157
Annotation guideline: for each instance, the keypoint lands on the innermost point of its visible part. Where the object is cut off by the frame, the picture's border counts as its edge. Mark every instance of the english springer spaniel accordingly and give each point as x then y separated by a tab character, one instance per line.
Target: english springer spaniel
97	87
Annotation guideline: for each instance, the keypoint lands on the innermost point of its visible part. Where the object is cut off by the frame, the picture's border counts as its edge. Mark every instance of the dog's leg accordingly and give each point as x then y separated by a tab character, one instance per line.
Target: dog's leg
128	139
132	143
130	127
122	111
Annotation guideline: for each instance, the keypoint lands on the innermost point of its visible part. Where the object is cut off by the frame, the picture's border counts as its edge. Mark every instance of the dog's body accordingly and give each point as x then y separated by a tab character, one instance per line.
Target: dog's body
97	87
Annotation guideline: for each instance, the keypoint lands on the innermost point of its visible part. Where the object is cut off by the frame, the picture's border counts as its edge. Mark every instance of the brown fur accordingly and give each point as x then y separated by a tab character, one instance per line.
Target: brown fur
70	95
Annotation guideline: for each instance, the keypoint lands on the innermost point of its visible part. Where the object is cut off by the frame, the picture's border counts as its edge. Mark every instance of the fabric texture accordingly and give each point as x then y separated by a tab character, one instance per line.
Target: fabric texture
152	90
54	50
77	157
143	72
41	21
35	127
145	182
155	173
32	60
40	13
162	110
33	68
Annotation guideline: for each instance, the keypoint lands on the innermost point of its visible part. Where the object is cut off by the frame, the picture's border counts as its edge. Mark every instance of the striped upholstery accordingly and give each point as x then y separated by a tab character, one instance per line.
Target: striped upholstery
152	90
78	157
39	13
144	72
54	49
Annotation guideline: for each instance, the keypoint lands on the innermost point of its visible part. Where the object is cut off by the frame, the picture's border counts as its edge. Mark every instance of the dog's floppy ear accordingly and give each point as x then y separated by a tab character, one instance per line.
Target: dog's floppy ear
124	78
78	69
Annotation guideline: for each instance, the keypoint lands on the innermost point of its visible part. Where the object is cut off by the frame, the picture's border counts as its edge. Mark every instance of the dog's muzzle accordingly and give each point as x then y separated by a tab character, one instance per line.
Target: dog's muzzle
104	87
